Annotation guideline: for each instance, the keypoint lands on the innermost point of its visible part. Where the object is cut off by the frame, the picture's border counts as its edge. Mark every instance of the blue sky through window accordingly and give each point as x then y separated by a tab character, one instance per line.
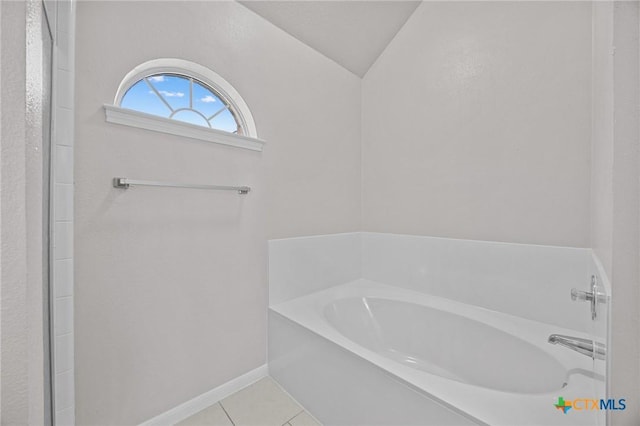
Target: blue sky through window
180	98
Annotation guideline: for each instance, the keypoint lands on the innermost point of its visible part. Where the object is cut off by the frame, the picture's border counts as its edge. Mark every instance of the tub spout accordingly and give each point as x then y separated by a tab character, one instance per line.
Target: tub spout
586	347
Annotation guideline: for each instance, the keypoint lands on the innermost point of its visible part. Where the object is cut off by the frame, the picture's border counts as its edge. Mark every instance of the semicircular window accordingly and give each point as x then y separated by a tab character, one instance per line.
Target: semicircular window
183	98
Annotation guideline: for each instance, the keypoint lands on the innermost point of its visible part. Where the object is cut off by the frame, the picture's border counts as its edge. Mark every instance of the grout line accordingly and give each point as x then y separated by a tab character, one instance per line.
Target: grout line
61	298
65	371
225	411
64	258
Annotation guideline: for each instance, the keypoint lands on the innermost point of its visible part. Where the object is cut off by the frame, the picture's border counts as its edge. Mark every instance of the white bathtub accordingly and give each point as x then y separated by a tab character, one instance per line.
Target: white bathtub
369	353
449	345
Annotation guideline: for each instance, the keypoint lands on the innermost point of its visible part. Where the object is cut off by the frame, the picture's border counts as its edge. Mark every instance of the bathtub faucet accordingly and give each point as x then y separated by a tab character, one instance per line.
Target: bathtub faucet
586	347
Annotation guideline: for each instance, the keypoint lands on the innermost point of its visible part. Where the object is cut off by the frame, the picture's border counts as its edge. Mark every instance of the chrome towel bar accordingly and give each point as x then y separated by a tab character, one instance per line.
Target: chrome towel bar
125	183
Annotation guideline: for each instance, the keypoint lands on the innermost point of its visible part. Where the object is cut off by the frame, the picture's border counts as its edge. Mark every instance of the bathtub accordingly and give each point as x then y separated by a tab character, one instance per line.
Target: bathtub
370	353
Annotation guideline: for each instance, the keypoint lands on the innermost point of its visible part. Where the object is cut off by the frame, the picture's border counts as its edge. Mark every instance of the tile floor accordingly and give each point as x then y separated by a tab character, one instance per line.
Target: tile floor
263	403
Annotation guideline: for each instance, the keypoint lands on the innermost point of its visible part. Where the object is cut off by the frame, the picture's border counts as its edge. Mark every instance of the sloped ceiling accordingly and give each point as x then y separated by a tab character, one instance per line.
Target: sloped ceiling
352	33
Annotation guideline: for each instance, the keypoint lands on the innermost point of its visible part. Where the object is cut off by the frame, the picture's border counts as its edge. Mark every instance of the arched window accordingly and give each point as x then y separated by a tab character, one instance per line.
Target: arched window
183	98
174	96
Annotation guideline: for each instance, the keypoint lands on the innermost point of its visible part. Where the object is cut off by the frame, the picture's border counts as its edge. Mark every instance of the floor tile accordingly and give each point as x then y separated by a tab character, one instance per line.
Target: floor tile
212	416
263	403
303	419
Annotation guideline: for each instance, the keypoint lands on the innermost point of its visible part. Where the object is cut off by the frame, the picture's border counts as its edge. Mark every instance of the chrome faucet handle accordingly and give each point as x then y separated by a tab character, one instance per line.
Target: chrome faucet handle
592	296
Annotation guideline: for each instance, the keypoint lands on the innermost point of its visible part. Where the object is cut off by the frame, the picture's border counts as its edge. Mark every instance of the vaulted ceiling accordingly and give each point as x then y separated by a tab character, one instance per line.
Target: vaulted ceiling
352	33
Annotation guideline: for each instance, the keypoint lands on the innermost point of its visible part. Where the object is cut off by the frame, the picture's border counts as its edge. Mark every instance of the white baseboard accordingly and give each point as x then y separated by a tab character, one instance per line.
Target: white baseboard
203	401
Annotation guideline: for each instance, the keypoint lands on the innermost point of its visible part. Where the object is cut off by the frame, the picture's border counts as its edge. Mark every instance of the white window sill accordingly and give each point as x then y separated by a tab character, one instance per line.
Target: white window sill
129	117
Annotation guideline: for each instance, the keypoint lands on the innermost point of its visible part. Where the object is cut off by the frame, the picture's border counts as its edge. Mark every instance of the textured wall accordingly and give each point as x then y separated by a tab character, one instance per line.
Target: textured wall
476	124
602	133
22	187
616	189
615	177
13	225
171	290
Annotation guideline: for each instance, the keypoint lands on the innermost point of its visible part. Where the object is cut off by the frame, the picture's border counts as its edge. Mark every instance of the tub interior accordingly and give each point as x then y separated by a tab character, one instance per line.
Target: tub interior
446	344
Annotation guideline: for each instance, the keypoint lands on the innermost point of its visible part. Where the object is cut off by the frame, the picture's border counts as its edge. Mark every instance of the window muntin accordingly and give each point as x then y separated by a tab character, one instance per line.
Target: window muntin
183	98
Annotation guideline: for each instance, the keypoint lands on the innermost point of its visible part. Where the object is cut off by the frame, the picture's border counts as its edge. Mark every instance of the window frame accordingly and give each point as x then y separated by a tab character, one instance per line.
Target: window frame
116	114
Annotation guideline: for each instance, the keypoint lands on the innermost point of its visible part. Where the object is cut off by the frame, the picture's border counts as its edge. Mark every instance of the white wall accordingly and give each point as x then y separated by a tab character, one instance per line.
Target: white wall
15	374
476	124
616	188
22	262
602	133
170	291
